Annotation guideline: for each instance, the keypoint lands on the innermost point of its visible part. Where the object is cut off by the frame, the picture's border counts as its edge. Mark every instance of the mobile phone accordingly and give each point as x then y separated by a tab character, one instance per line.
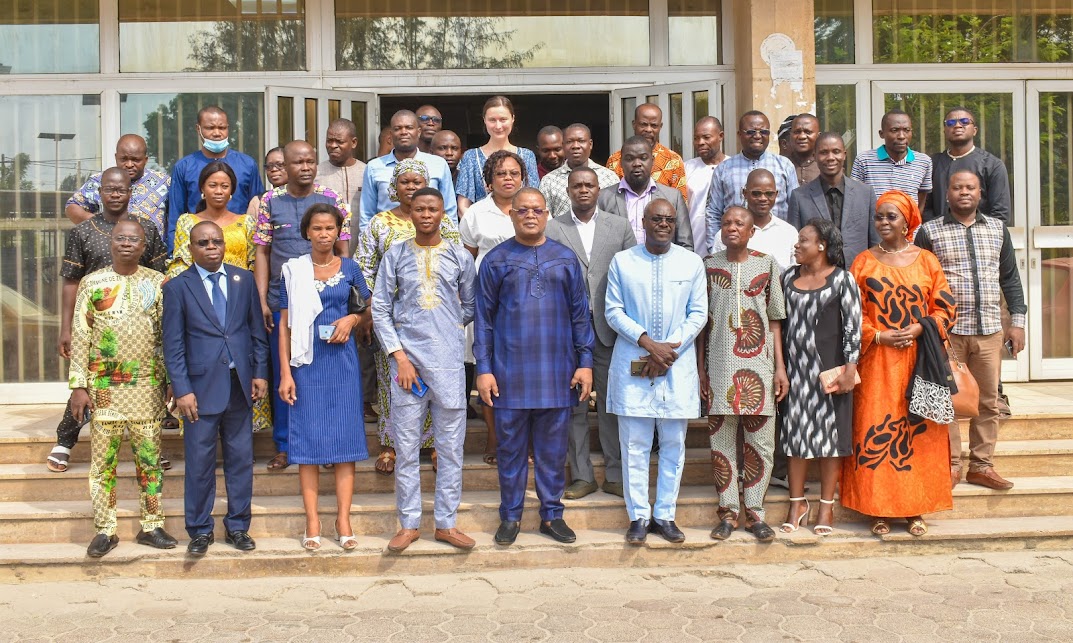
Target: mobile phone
1009	347
419	388
87	417
325	332
637	367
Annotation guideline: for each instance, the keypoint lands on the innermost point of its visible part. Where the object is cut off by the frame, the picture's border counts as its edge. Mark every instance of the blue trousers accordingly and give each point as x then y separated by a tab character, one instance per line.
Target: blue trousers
635	435
549	431
281	411
232	427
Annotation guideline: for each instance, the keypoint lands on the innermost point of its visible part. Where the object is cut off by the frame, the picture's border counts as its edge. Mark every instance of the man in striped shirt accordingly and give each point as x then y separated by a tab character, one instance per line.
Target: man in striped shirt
894	165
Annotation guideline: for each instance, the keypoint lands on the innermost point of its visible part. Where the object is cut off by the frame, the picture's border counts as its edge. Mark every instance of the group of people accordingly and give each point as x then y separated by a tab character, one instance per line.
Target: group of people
804	312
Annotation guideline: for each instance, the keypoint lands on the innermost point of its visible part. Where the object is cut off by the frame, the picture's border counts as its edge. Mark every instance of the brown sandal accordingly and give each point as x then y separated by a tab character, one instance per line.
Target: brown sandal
385	462
279	463
490	459
57	461
916	526
880	526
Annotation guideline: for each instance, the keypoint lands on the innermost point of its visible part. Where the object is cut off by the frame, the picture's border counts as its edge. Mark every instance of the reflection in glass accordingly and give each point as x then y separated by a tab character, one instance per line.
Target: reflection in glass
33	228
335	107
357	114
700	105
49	37
972	31
1056	158
628	106
312	128
1057	280
836	107
285	118
168	123
676	123
471	34
833	26
694	32
211	35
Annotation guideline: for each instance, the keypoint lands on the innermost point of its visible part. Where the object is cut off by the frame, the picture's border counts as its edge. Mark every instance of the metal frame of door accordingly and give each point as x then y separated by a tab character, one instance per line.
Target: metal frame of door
662	95
323	97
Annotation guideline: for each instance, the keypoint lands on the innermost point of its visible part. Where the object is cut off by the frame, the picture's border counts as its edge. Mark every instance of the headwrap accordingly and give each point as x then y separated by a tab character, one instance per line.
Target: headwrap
907	205
784	129
402	167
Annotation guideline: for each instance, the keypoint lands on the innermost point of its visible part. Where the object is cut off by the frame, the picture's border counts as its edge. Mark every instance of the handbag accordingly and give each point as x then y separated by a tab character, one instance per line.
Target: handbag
828	377
967	399
355	305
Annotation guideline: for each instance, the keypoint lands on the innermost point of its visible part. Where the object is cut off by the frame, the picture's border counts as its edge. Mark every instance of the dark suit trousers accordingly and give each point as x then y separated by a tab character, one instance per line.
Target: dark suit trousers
199	440
549	430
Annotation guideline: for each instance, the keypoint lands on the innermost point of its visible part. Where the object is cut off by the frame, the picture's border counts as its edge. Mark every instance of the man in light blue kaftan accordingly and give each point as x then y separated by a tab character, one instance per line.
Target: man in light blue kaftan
657	303
424	297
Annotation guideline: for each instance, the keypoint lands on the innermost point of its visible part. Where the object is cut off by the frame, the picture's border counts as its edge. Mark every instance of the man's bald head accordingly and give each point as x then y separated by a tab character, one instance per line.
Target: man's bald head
759	176
131	154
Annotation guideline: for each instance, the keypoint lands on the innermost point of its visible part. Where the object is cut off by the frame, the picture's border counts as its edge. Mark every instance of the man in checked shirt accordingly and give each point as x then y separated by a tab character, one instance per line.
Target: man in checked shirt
976	254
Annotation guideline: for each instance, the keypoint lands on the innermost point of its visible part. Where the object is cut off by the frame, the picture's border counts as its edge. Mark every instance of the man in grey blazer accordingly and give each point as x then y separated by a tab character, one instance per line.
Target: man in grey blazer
846	202
637	189
595	236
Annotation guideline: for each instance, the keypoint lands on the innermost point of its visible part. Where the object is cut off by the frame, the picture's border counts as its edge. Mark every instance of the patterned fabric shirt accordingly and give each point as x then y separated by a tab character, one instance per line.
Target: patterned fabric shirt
911	175
668	167
148	197
262	236
980	267
554	183
89	248
729	181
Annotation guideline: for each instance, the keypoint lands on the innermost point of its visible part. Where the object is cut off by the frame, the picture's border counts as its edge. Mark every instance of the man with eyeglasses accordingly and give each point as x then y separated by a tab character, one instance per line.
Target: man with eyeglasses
577	146
668	168
754	136
549	150
88	249
772	236
894	165
149	188
533	344
342	173
431	122
657	303
961	153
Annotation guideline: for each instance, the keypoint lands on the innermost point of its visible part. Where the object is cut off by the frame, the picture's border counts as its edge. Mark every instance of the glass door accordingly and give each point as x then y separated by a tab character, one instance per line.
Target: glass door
295	113
1000	113
1050	225
682	104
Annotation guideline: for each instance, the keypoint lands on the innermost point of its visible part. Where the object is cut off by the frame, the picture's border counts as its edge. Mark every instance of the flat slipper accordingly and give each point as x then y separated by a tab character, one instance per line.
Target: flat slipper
57	461
279	462
385	462
762	531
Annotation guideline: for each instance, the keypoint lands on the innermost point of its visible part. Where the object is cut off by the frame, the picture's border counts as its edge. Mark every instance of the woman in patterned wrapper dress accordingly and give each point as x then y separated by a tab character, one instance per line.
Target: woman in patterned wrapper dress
385	229
899	468
822	331
217	184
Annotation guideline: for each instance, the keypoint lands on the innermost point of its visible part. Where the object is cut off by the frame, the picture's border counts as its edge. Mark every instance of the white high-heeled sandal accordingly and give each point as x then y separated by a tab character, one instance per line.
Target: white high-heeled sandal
346	542
310	543
824	530
802	520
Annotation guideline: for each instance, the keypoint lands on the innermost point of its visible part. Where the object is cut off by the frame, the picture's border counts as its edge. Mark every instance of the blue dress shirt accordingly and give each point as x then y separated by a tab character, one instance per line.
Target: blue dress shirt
374	198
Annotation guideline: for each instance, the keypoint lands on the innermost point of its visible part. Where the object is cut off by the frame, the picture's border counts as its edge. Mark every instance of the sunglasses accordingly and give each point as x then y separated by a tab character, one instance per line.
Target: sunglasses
127	239
753	132
205	243
964	120
525	212
430	119
274	166
661	220
769	194
879	218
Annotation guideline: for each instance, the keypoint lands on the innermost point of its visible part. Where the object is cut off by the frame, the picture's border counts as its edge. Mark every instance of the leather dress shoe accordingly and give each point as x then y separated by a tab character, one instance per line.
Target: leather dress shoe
507	532
988	478
558	530
241	540
955	476
579	489
157	538
614	488
199	544
454	537
723	530
667	530
403	539
101	545
638	532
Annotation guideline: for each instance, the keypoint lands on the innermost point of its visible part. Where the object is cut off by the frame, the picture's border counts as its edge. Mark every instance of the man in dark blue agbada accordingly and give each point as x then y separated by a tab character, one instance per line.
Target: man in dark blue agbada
533	344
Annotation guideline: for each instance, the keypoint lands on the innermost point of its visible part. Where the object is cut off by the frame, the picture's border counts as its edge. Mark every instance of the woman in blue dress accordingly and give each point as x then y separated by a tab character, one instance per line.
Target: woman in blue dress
319	372
498	117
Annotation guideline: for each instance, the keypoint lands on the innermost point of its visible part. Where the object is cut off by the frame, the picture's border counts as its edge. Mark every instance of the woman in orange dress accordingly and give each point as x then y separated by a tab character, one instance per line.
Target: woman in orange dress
899	468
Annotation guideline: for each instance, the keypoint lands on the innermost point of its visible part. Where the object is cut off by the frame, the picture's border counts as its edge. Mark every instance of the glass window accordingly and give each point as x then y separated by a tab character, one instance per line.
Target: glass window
167	121
49	36
1056	157
972	31
475	34
212	35
48	148
694	32
833	23
836	107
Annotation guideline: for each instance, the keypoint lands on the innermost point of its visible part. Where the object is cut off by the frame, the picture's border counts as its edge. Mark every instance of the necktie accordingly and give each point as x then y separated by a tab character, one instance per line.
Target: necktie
219	302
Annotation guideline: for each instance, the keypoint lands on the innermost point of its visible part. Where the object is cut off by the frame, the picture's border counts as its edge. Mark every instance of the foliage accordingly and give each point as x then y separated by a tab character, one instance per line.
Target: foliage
250	45
167	142
972	38
13	173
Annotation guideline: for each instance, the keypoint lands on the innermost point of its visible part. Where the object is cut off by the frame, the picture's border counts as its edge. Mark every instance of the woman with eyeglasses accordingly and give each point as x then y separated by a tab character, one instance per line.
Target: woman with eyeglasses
899	466
276	172
217	183
498	114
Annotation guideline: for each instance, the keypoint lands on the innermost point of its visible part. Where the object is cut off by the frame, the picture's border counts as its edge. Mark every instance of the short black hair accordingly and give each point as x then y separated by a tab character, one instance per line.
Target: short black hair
893	112
959	108
496	160
752	112
428	191
210	109
830	135
320	208
831	239
581	169
637	140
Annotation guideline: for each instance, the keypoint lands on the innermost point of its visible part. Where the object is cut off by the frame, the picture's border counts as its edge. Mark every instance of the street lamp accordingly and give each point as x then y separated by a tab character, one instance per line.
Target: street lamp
57	137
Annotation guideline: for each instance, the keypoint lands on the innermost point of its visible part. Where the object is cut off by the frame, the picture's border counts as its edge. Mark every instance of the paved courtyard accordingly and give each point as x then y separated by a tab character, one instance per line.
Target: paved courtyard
967	597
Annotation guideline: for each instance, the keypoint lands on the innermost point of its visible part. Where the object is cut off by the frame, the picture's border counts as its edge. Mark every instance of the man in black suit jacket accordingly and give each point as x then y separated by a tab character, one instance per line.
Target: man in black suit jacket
216	351
848	203
637	180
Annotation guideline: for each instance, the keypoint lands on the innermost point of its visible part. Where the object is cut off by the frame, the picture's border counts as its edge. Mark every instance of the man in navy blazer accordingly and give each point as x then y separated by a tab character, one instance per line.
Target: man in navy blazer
848	203
216	352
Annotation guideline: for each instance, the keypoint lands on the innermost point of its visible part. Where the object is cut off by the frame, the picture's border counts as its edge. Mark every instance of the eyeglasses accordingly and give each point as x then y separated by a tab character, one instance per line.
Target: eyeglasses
205	243
659	220
754	132
525	212
879	218
114	190
127	239
964	120
430	119
767	194
502	174
274	166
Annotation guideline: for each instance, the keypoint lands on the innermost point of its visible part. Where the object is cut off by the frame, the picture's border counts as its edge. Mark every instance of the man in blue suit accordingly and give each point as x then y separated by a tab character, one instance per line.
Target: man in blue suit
216	352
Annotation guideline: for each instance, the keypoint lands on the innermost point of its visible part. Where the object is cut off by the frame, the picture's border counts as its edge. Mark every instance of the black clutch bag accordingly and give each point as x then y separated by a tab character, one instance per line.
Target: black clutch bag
355	305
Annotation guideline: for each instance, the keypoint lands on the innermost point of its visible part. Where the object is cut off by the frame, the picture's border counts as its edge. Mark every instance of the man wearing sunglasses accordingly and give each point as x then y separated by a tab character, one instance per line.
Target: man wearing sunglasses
959	128
754	136
430	122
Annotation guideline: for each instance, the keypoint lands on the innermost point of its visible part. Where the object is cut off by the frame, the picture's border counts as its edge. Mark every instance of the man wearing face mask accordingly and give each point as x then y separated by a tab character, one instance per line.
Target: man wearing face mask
212	131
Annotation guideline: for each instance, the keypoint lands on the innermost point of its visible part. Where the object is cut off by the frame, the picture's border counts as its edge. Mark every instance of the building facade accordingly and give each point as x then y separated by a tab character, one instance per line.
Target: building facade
76	74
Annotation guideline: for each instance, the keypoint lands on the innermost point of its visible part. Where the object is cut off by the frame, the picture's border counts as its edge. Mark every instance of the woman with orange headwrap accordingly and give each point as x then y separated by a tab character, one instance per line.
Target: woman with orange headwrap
898	467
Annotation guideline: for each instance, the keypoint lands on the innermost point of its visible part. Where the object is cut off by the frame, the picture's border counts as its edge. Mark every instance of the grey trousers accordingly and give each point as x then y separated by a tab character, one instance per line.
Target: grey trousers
577	455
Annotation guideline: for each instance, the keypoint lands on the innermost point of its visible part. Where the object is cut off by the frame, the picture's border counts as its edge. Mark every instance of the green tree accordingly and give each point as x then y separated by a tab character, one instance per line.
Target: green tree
168	142
250	45
13	173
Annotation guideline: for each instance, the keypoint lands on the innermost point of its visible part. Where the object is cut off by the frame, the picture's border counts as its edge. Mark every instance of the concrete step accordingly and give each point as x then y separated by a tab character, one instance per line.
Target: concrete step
595	548
374	514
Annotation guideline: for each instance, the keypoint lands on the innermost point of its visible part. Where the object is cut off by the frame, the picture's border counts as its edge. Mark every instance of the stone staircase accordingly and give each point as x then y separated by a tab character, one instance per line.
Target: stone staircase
46	520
